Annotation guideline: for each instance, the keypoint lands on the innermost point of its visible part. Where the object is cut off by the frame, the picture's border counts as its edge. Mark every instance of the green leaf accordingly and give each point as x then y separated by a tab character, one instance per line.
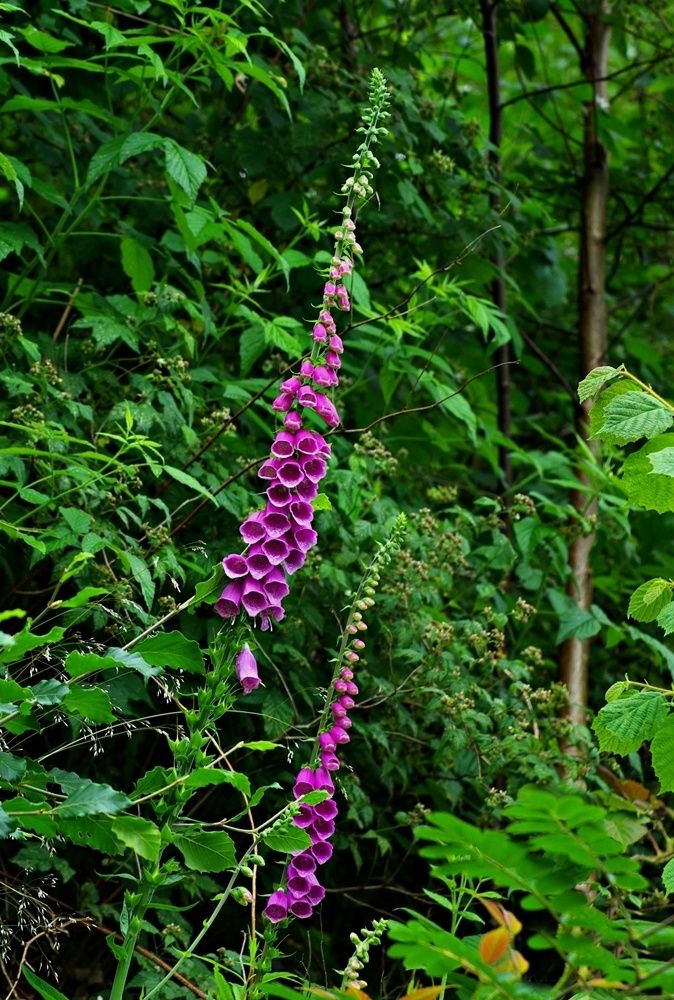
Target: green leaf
82	597
663	461
668	876
79	664
91	831
187	480
172	649
286	838
137	264
623	725
90	703
140	572
204	776
666	618
643	486
207	852
635	415
90	798
11	768
209	590
649	599
574	621
662	754
262	745
42	41
141	835
186	169
321	502
593	382
9	170
266	245
14	236
49	692
617	690
134	661
78	520
44	989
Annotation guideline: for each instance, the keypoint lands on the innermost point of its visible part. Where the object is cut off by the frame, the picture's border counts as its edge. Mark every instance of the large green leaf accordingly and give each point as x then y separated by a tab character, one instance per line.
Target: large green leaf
662	754
185	168
91	831
89	798
634	415
643	485
141	835
172	649
287	838
649	599
206	852
91	703
623	725
44	989
137	264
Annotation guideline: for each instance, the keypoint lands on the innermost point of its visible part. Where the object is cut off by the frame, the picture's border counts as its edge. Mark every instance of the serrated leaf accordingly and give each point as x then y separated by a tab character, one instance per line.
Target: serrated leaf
141	835
91	831
210	587
668	876
206	852
90	798
321	502
187	480
643	486
44	989
134	661
172	649
204	776
593	382
649	599
185	168
11	768
623	725
137	264
287	839
90	703
635	415
79	664
616	690
666	618
662	462
662	754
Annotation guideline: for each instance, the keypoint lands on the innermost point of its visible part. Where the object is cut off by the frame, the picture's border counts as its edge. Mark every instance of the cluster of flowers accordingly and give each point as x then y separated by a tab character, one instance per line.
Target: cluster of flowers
302	890
280	535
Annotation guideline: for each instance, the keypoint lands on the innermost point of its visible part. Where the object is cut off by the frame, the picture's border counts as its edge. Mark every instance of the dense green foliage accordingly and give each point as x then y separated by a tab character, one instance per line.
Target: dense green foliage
172	186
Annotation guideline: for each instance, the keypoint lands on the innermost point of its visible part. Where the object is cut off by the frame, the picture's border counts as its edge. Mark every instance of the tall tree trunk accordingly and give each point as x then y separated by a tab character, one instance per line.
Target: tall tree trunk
502	356
574	653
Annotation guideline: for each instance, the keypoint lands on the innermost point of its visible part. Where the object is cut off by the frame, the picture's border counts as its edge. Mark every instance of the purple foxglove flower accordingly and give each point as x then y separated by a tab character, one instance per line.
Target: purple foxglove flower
322	377
340	686
319	333
306	397
326	410
301	908
246	670
346	673
268	469
322	781
335	273
275	523
275	550
254	598
275	585
277	906
307	490
327	743
308	442
351	688
329	761
324	449
301	512
328	321
305	538
305	817
306	369
339	735
279	495
341	290
330	288
298	885
235	566
316	893
252	529
293	420
290	473
336	344
258	564
345	722
291	385
294	560
304	863
322	829
314	469
333	360
346	701
229	603
305	782
326	809
338	712
283	445
272	614
283	402
322	851
343	302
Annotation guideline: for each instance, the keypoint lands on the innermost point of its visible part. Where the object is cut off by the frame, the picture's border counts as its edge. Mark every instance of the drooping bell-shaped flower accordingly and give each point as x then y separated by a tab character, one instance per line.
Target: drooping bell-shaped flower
246	670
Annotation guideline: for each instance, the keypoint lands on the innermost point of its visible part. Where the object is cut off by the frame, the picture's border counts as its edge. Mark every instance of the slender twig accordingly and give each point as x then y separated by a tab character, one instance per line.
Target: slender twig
67	310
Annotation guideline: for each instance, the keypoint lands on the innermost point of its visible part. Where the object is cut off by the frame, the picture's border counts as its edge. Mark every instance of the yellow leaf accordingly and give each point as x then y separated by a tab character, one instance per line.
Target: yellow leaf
494	945
353	992
609	984
425	993
514	963
257	191
502	916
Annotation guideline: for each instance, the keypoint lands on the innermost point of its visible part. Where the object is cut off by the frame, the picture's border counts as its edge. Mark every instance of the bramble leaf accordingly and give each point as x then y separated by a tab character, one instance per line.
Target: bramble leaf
207	852
623	725
649	599
593	382
141	835
634	415
662	754
287	838
668	876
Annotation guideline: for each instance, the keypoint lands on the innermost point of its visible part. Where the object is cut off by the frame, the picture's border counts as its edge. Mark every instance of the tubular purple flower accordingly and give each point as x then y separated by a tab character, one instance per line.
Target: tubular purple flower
258	563
336	344
330	288
326	410
301	512
301	908
326	809
283	402
252	529
321	851
308	442
307	490
304	862
340	735
291	385
276	585
330	761
235	566
254	598
268	470
322	781
271	614
305	782
306	396
319	333
275	523
289	473
322	829
333	360
316	893
246	670
305	817
293	421
294	560
275	550
279	495
314	469
283	445
322	376
338	711
328	321
229	603
346	701
305	538
327	742
345	722
277	906
298	885
306	369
